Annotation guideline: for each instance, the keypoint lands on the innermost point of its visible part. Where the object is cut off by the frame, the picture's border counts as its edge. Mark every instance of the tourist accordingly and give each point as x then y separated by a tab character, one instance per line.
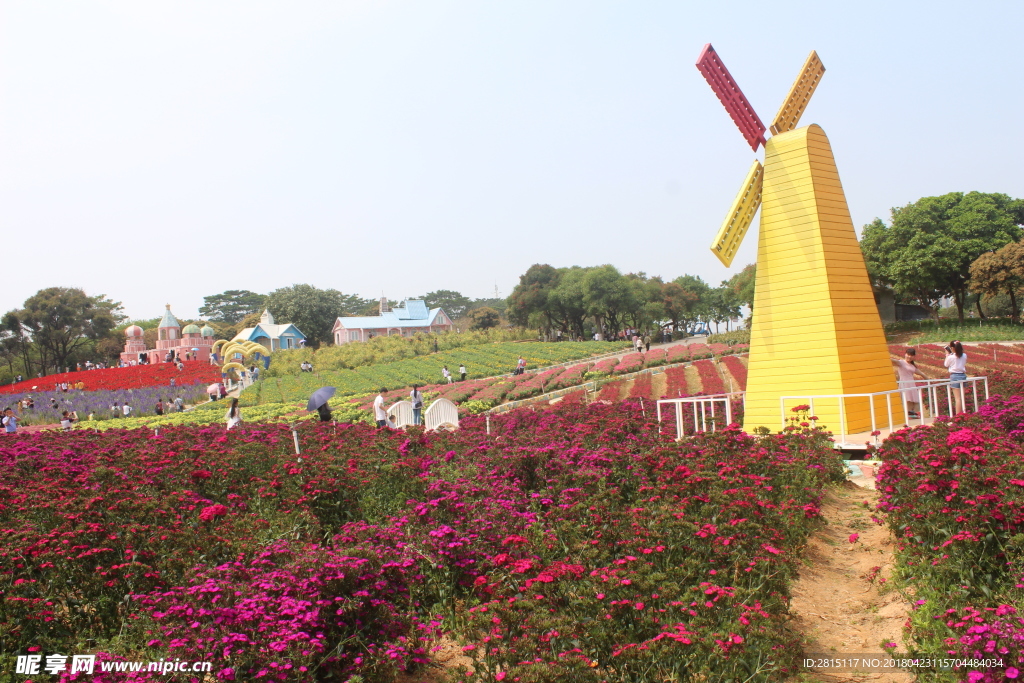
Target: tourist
956	363
10	422
906	369
116	409
159	407
462	372
126	409
66	420
520	366
379	414
647	342
179	404
234	414
416	396
324	411
446	375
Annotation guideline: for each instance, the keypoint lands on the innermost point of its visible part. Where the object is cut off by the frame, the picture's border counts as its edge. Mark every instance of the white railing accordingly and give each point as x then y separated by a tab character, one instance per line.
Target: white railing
705	410
442	413
924	388
402	414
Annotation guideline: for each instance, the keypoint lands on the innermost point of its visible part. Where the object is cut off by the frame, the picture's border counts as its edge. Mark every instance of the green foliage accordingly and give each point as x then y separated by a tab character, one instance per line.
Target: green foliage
581	300
927	250
742	284
231	306
453	303
733	337
314	311
56	323
485	318
1000	272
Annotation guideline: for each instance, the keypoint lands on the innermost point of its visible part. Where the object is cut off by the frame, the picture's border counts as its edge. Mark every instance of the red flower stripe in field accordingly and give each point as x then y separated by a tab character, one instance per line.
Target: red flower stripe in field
655	357
698	351
642	387
710	380
155	375
738	370
610	391
678	353
676	382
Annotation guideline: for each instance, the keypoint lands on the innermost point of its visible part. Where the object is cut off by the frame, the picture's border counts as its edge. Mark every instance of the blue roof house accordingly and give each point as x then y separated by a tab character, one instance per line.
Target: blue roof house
272	336
406	319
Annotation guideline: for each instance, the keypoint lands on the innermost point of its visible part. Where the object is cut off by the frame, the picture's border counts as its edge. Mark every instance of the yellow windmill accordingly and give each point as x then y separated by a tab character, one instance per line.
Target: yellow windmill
816	329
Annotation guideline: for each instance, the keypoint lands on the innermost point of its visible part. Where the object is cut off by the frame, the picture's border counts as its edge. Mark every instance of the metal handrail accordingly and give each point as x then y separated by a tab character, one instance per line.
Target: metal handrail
922	387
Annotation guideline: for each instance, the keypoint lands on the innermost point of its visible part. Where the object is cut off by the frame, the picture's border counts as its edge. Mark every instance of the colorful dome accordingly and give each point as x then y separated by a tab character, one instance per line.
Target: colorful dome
133	331
207	331
191	329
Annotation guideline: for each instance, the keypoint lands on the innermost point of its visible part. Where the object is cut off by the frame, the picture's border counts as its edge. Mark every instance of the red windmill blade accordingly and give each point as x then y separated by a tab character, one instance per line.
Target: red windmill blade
732	98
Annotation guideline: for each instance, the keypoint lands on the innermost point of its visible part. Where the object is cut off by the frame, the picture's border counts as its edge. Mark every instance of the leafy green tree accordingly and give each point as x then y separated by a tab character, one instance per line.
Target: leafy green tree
565	305
484	318
608	297
231	306
529	302
314	311
61	321
722	305
678	303
454	304
742	285
1000	272
497	304
927	250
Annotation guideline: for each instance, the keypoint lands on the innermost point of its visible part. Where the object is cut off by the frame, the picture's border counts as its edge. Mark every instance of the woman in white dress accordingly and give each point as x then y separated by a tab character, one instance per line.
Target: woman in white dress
234	416
906	369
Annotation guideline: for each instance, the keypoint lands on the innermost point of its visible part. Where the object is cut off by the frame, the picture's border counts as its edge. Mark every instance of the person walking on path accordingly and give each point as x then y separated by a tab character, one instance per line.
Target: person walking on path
520	366
10	422
647	342
379	413
906	369
416	396
179	404
462	372
446	374
956	363
234	416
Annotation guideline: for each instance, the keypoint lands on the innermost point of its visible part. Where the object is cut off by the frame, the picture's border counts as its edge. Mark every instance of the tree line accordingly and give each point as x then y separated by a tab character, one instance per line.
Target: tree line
948	247
582	301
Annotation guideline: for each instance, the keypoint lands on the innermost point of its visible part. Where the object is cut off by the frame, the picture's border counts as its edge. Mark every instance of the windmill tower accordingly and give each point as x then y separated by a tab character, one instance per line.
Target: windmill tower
816	329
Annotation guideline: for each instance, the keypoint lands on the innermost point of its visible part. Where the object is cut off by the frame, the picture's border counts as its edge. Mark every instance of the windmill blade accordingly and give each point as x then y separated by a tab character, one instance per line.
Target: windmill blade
732	98
799	95
741	215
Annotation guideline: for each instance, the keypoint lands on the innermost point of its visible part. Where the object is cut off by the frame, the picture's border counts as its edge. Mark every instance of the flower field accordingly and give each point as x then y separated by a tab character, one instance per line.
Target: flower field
485	360
953	495
570	544
117	379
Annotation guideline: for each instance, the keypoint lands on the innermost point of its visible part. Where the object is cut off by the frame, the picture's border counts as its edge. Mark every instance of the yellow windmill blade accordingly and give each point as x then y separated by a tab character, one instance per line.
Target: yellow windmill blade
799	95
741	215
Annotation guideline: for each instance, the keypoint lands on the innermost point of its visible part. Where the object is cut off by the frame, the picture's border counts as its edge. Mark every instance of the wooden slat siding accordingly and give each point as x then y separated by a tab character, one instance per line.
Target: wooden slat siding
816	328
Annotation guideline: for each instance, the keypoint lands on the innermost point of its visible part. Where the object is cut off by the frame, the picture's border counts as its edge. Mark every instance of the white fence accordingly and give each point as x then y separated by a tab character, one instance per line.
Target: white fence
442	414
707	411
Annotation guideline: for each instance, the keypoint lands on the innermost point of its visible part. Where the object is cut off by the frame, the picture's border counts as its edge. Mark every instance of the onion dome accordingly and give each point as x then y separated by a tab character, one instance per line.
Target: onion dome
191	329
133	331
207	331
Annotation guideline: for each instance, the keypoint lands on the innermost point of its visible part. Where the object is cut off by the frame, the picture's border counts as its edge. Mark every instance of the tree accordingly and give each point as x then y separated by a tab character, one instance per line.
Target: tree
314	311
453	303
608	297
231	306
484	318
529	302
928	249
63	320
1000	271
678	303
722	305
742	285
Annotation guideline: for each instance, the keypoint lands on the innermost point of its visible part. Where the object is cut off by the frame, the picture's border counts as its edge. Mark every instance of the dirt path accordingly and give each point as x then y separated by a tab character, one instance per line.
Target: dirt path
837	607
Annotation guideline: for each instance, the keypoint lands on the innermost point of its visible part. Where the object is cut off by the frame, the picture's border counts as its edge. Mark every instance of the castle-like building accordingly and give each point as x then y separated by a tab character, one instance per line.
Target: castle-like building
190	342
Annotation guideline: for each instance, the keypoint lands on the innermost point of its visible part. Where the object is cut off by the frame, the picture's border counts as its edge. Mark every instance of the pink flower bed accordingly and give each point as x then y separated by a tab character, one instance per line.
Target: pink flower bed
710	380
738	370
630	363
679	353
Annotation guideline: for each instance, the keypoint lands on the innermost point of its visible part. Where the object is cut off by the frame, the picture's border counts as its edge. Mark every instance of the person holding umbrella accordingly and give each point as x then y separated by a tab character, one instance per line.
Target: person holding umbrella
318	402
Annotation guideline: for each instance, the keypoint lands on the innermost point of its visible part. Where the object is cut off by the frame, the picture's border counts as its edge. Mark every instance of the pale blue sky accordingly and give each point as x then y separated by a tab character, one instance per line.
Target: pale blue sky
158	152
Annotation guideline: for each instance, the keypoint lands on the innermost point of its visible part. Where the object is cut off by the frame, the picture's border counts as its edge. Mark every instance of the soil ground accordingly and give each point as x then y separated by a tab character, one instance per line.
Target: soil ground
837	608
